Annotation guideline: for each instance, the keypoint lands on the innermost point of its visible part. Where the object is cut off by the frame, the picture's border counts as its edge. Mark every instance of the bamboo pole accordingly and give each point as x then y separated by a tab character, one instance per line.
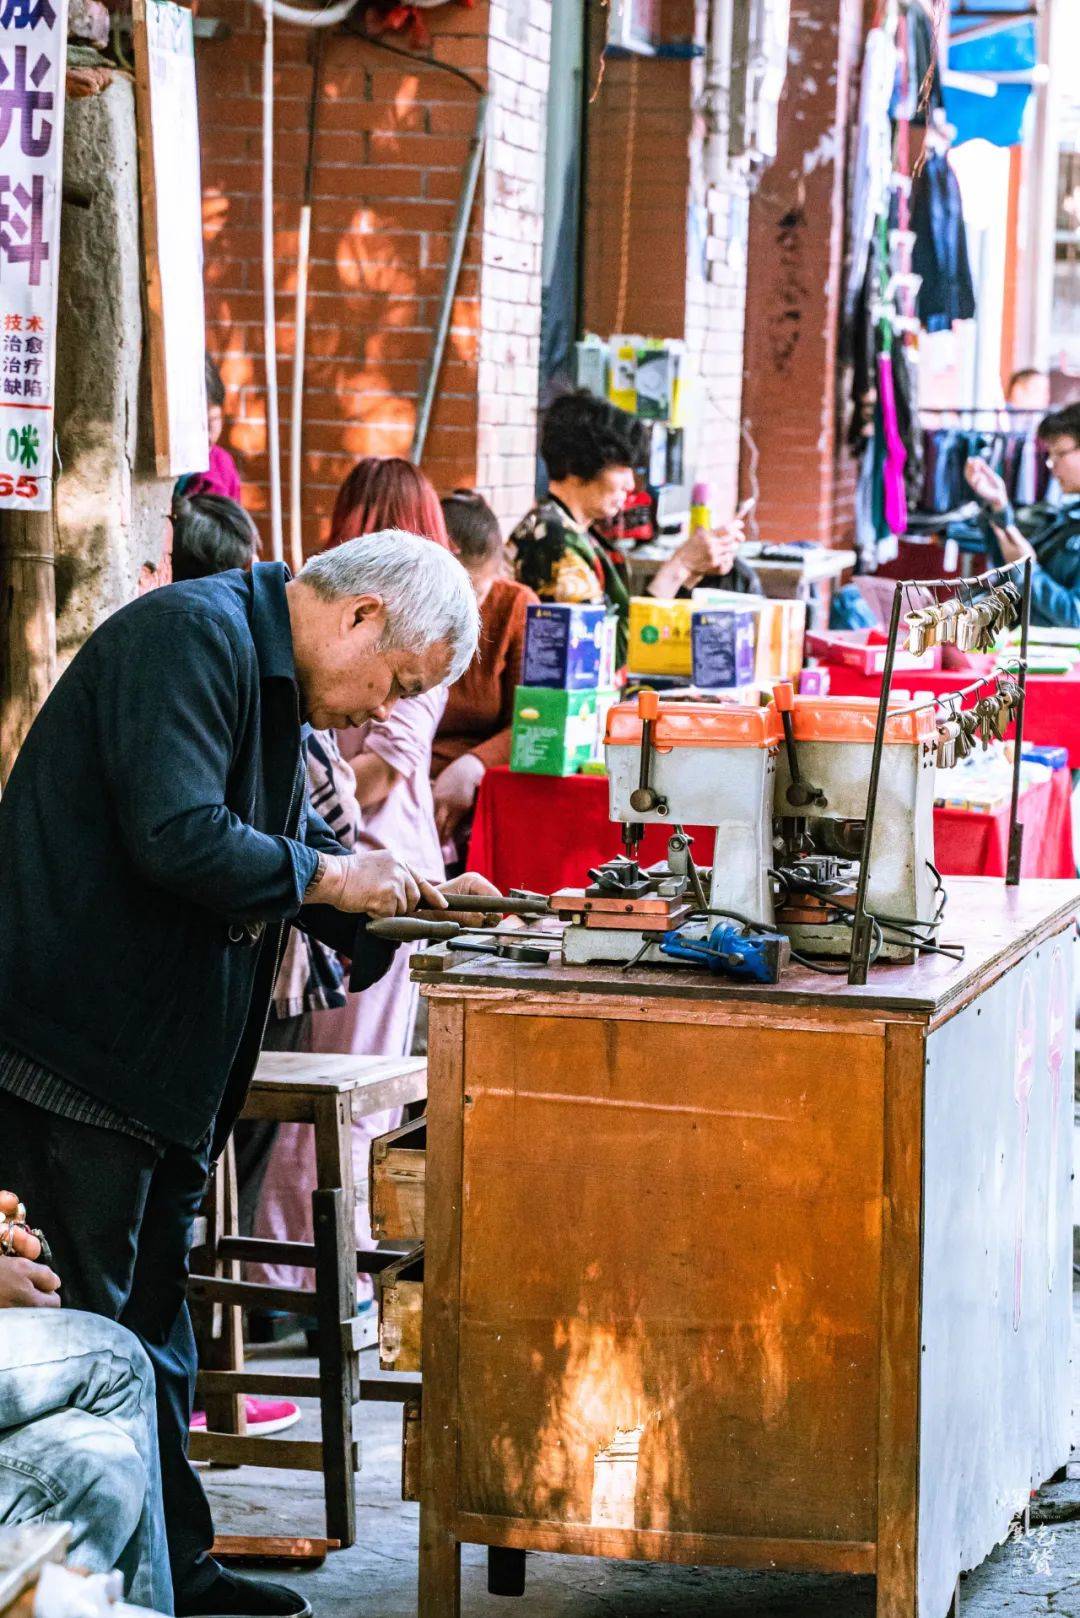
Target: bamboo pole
27	624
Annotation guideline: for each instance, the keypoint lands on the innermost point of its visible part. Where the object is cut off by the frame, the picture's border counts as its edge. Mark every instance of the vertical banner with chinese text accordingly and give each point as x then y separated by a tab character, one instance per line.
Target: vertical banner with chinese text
171	187
33	66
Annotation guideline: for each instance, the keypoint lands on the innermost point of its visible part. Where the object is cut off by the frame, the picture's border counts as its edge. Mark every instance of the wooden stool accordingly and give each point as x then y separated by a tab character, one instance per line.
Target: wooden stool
328	1092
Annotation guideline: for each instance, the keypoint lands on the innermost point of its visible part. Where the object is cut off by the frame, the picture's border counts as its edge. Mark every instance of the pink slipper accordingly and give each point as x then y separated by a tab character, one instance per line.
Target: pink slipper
264	1416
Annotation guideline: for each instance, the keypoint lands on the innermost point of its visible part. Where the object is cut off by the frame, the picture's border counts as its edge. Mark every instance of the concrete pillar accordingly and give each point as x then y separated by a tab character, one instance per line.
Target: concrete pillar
111	506
795	283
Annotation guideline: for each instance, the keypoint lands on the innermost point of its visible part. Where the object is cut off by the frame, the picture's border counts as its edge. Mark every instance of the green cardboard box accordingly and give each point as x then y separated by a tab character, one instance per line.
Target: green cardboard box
555	732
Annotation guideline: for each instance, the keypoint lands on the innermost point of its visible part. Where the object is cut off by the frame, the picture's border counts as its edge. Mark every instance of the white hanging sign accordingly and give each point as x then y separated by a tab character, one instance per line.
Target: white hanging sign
33	65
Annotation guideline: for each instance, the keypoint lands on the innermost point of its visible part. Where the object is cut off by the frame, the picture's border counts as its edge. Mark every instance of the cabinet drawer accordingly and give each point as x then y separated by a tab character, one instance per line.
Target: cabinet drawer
396	1181
401	1313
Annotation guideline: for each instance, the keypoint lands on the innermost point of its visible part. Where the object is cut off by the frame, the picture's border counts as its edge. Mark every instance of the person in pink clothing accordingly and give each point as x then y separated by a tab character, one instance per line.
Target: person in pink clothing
221	476
391	762
391	759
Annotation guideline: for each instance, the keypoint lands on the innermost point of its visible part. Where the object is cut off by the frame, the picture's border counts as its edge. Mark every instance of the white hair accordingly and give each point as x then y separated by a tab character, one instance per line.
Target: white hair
426	591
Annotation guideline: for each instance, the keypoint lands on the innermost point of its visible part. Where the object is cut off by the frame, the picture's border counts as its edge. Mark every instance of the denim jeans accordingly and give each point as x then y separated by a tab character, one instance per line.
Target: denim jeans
78	1443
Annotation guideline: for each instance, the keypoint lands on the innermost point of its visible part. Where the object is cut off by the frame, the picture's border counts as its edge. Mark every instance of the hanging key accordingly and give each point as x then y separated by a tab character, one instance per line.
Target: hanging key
984	710
987	619
1013	604
963	739
967	629
947	733
950	614
998	611
918	625
1008	702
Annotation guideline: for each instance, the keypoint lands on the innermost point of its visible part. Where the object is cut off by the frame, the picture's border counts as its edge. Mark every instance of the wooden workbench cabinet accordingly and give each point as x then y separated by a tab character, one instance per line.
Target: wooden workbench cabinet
770	1278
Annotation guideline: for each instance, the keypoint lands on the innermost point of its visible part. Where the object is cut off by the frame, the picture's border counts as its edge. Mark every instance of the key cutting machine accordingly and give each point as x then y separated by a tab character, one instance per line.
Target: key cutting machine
784	789
820	808
685	764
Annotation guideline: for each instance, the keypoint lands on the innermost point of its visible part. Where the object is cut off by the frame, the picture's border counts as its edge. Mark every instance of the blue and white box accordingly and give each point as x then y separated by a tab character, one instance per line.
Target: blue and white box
564	646
722	647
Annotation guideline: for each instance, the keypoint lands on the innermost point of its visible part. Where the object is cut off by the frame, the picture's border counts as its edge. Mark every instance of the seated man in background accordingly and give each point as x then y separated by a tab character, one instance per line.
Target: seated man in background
210	534
1049	533
591	449
78	1434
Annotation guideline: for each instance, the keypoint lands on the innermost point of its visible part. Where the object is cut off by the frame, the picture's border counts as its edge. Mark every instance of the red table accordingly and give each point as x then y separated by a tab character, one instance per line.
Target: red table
1052	708
543	832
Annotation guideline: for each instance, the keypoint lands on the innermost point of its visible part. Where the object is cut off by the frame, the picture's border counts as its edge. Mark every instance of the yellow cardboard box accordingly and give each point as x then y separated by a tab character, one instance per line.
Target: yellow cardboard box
659	637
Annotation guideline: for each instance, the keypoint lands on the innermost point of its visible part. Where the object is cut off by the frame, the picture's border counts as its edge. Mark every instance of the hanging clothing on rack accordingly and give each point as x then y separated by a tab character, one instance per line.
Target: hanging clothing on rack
872	160
894	494
905	366
940	255
919	96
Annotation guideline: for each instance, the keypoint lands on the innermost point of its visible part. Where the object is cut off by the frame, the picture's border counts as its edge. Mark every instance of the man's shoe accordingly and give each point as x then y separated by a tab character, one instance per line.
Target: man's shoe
229	1596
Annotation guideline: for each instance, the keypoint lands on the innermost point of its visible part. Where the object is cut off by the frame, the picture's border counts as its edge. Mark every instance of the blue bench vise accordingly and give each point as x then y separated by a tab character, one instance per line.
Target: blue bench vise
730	949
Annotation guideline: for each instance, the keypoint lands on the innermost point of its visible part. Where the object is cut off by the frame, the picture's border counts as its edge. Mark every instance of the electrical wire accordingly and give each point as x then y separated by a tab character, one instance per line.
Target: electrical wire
327	17
418	60
842	970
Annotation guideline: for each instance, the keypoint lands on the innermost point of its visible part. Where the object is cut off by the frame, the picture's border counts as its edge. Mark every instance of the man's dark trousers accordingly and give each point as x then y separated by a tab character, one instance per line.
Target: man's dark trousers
118	1216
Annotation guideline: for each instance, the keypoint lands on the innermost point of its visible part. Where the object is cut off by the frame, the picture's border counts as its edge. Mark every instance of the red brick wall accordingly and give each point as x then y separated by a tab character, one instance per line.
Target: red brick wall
791	396
670	291
637	180
392	145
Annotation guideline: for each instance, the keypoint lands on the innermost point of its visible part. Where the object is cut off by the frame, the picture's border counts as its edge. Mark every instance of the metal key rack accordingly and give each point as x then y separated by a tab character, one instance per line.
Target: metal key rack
939	590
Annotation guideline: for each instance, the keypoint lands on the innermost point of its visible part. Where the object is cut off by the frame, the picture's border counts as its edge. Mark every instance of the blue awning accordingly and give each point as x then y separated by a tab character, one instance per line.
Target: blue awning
998	118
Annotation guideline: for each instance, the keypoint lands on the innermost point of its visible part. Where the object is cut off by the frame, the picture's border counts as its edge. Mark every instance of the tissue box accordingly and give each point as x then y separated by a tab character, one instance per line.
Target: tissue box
564	646
659	636
556	732
722	646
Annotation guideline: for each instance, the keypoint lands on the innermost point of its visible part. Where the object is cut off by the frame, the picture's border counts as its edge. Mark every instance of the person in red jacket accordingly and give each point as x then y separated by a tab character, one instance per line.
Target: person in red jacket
474	732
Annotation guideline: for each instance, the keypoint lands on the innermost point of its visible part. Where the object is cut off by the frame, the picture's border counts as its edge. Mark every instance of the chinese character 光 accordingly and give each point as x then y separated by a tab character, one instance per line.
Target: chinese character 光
22	238
27	101
24	14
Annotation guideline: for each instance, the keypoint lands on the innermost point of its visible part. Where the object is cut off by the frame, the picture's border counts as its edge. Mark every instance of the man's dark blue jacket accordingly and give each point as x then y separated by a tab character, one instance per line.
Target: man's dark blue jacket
154	837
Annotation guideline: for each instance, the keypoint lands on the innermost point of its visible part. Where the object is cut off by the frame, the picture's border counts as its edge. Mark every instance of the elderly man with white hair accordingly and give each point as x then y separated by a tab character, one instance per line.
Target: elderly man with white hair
156	842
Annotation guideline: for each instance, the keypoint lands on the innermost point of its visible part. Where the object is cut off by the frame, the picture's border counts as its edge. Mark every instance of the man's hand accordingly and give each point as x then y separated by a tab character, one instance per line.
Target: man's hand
985	484
25	1284
471	882
372	884
454	793
1014	547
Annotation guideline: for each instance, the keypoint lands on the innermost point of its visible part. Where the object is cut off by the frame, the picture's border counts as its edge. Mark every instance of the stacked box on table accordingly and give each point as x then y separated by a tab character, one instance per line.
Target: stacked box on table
722	645
659	636
556	732
565	646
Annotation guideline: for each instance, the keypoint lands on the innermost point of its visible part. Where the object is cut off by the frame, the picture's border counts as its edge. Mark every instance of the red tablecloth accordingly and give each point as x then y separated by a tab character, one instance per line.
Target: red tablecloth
1052	708
543	832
